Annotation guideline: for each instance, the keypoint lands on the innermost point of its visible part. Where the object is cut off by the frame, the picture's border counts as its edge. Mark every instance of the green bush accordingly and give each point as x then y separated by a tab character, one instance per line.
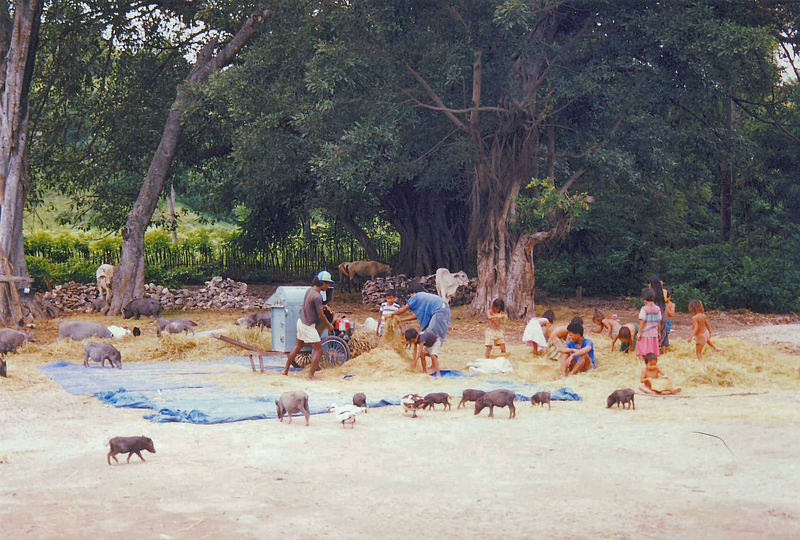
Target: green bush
41	270
723	276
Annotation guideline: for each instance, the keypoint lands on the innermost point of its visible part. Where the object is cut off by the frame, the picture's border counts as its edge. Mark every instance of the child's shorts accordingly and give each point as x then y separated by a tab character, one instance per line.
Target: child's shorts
669	326
434	349
494	337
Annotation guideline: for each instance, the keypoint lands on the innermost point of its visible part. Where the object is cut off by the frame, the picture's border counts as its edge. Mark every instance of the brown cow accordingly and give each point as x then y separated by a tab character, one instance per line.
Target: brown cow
364	269
344	276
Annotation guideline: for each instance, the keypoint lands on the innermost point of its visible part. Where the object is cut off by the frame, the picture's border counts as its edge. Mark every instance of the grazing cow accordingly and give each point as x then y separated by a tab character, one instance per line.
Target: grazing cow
344	276
104	275
364	269
447	283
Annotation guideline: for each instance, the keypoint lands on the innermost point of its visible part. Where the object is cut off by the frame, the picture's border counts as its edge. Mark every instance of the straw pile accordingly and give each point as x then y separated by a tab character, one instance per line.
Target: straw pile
363	341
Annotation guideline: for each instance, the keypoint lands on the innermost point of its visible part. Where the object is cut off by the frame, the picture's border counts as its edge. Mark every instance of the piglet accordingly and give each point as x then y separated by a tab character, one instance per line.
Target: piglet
441	398
624	396
360	400
470	394
540	398
496	398
131	445
292	402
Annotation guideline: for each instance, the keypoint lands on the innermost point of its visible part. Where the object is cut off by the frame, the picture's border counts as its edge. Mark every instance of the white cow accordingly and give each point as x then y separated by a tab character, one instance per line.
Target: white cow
447	283
104	275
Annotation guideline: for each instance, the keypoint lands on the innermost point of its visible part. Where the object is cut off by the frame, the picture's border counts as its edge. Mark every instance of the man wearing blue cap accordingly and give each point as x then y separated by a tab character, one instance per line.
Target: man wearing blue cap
310	316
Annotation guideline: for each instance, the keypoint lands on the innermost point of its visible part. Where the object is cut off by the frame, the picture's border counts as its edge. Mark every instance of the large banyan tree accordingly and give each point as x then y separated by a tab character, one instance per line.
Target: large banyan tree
539	91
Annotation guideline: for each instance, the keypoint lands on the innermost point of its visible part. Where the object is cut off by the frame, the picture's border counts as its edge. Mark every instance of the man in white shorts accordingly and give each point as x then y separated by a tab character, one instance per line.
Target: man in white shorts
310	316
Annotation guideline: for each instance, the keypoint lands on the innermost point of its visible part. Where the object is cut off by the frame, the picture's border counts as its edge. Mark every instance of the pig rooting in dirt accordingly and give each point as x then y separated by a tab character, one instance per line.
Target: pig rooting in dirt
131	445
624	397
360	400
496	398
175	326
11	339
470	394
142	306
80	330
292	402
100	352
540	398
441	398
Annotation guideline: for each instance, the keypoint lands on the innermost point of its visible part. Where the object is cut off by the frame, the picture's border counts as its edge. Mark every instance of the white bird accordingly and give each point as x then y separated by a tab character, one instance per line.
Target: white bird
411	402
346	414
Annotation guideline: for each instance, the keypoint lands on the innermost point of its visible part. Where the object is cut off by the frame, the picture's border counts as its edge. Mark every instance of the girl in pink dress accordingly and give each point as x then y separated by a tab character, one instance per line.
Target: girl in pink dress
650	315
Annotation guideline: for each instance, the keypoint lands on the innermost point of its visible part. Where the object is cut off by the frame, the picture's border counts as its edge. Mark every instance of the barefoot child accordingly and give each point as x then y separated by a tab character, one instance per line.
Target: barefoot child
626	335
701	331
578	352
537	332
604	323
649	335
670	313
431	345
494	334
653	379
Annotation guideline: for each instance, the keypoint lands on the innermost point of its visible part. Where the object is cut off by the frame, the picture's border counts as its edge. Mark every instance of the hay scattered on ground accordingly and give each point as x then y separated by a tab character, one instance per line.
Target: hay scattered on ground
377	362
363	341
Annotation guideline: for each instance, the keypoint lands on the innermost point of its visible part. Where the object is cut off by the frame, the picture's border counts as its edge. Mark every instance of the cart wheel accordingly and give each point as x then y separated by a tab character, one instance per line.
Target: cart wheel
335	352
302	360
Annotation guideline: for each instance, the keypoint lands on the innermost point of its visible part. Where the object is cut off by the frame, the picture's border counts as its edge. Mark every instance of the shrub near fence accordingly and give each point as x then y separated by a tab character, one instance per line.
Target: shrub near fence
185	263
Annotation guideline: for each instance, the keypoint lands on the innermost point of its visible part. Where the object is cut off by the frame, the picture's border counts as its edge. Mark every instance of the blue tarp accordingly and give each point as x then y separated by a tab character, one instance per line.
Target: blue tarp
186	392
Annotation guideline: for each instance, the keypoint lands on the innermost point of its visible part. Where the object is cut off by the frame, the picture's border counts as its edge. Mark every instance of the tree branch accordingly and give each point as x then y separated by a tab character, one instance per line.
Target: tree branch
436	99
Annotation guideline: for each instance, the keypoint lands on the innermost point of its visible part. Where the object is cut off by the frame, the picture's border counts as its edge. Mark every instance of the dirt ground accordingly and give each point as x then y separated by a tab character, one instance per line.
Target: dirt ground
723	460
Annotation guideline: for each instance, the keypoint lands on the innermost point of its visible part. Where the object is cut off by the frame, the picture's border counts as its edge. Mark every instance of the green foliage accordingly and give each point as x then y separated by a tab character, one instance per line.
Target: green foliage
543	205
47	273
722	276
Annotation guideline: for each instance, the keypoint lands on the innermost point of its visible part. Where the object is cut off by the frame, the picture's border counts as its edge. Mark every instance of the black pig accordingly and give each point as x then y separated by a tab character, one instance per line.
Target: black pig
624	397
142	306
470	394
360	400
132	445
437	397
496	398
540	398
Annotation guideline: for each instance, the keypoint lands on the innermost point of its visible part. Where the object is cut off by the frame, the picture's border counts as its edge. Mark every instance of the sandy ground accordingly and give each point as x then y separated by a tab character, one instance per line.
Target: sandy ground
577	470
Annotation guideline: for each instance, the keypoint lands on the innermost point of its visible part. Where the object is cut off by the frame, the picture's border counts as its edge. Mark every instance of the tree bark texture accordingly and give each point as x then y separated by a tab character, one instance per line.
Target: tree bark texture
433	231
507	151
128	282
19	39
361	237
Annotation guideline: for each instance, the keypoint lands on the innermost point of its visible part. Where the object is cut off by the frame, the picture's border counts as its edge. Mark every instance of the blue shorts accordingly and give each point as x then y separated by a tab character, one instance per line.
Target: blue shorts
669	326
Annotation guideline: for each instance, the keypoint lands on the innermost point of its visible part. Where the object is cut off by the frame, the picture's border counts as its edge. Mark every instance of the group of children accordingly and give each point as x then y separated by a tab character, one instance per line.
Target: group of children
569	346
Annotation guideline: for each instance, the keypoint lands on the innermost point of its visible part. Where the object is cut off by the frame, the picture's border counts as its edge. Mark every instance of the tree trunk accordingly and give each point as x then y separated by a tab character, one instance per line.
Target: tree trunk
128	282
433	231
361	237
173	220
18	44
